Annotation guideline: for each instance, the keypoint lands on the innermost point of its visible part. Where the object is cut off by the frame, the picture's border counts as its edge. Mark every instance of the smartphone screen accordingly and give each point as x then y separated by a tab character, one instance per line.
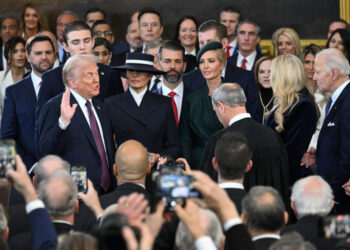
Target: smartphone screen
175	186
336	226
7	156
79	176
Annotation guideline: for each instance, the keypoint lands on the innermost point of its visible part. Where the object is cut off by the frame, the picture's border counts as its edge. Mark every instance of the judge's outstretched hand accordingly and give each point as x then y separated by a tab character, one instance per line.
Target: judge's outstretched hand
67	111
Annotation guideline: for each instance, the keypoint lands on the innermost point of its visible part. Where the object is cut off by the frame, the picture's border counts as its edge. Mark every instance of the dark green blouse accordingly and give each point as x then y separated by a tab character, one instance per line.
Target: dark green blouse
198	123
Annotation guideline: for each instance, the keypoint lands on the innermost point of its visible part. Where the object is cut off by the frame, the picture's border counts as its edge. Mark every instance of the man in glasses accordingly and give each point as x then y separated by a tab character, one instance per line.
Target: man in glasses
102	28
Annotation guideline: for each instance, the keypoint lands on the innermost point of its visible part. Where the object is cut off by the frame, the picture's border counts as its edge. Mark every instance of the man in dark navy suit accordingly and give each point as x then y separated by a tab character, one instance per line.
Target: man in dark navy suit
9	27
76	126
77	39
247	39
333	148
18	119
141	115
213	31
171	58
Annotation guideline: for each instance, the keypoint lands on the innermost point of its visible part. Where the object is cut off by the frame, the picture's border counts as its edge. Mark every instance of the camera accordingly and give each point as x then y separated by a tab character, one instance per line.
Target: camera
79	176
7	156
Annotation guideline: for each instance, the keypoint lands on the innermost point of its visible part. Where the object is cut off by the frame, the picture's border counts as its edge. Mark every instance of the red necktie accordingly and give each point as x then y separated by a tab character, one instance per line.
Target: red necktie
105	180
243	66
228	47
172	94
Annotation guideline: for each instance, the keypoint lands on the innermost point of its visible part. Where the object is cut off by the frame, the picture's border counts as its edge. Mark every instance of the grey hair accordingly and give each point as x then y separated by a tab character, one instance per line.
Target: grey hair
292	241
334	59
3	220
264	209
250	21
184	239
67	12
153	44
41	169
230	94
59	203
69	70
317	201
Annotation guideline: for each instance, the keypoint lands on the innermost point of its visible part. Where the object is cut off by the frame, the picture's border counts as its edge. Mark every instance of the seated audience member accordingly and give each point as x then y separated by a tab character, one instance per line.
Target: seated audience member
102	50
210	31
103	29
337	24
42	231
262	73
264	215
311	200
232	159
270	162
131	168
340	39
59	194
141	115
52	81
186	35
195	223
94	14
292	241
294	115
248	37
230	17
286	41
77	241
76	124
9	27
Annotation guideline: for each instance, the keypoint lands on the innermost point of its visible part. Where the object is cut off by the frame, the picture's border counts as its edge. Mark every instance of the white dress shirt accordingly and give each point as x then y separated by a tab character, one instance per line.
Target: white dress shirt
179	91
337	93
36	82
236	185
233	45
193	52
138	96
4	61
239	117
250	60
263	236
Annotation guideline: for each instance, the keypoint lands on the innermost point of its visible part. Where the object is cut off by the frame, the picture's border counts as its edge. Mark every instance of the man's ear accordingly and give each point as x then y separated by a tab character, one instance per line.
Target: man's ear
292	205
76	207
224	42
65	47
286	217
149	167
215	164
244	219
249	166
34	182
115	170
6	234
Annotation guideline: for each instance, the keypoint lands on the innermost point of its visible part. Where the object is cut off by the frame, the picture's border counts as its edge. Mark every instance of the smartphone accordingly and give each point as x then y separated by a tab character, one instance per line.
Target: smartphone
175	186
79	176
7	156
336	226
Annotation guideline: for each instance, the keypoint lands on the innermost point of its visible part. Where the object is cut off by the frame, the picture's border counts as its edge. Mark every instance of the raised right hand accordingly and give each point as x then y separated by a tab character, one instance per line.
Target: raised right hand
67	111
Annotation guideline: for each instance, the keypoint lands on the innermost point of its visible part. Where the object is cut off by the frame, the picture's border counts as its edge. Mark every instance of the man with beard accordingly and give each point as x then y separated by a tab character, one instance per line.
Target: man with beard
18	118
171	58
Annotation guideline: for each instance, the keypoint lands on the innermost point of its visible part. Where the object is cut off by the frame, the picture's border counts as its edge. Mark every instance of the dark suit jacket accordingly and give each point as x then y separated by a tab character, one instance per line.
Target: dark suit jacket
270	161
299	126
194	80
310	228
122	189
18	119
233	59
264	244
333	149
52	84
152	123
120	47
24	241
76	143
237	237
236	195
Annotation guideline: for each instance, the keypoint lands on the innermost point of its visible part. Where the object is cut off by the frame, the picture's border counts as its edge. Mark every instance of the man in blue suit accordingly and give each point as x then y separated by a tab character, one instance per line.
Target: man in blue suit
77	39
210	31
76	126
18	119
333	148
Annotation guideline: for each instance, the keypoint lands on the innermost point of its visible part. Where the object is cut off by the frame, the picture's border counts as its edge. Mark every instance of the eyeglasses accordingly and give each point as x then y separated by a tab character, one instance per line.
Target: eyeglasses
106	33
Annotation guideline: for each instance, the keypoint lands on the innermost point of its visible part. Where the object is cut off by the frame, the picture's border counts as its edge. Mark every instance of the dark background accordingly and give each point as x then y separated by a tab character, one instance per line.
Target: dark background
310	18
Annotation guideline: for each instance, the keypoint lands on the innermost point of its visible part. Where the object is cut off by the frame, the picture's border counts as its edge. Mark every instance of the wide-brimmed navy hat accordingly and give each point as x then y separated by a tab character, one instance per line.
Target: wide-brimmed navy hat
139	62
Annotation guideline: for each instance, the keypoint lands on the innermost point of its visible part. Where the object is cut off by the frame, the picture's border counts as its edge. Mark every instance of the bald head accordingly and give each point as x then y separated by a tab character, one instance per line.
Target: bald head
132	161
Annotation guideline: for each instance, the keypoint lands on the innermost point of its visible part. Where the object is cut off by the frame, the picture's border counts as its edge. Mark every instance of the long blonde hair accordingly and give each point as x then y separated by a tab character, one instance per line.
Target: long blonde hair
287	79
291	34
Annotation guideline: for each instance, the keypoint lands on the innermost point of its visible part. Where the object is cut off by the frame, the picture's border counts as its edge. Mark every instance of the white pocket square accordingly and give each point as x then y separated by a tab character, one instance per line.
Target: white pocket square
331	124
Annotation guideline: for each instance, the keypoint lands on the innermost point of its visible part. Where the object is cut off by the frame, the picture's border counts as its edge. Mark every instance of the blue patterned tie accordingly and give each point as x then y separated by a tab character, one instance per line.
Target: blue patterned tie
328	105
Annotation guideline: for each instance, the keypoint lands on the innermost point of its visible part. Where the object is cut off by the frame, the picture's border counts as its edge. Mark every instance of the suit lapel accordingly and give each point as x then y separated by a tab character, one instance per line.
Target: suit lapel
149	103
79	116
30	91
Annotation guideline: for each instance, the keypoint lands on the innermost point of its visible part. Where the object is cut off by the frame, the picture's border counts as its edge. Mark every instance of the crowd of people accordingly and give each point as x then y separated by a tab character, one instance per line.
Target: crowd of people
264	140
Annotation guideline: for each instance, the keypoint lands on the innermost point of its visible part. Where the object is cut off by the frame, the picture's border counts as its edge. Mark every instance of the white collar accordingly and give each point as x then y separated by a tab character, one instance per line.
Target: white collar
138	96
337	92
35	79
263	236
250	59
233	44
63	222
193	52
136	183
80	100
236	185
179	90
239	117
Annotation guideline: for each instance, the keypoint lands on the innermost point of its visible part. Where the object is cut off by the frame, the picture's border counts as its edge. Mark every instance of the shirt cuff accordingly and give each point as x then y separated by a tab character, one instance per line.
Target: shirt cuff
61	125
205	242
31	206
231	223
